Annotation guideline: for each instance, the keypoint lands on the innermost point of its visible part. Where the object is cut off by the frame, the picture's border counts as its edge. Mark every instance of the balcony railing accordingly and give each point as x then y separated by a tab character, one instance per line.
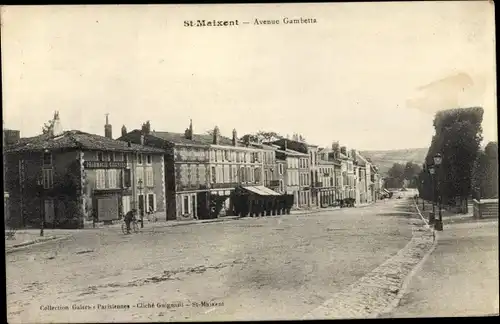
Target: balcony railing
186	187
224	185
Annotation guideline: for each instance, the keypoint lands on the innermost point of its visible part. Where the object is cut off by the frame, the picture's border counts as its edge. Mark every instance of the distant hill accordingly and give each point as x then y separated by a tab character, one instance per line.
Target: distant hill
385	159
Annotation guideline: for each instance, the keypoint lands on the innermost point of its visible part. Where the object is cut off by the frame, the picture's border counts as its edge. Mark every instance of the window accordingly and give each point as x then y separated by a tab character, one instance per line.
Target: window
47	159
280	169
214	175
127	178
100	156
139	158
112	180
125	157
242	174
227	171
282	187
100	182
149	178
48	178
249	175
235	173
149	159
227	155
112	157
256	176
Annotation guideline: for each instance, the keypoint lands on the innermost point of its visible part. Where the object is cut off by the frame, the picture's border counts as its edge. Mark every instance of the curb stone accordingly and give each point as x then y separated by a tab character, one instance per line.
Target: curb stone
26	245
378	290
408	279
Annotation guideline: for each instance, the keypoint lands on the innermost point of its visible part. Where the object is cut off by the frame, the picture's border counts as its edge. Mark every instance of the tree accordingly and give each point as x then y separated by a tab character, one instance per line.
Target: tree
485	173
146	127
396	176
457	138
411	172
268	136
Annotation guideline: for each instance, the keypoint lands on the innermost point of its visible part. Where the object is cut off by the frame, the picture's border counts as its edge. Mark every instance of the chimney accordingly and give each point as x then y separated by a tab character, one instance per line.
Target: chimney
108	133
343	150
124	130
354	155
56	128
235	137
129	144
188	133
335	149
216	136
285	144
11	136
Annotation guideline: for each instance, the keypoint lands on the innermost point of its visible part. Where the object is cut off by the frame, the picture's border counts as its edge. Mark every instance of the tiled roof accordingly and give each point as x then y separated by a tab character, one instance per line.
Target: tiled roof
208	139
75	139
177	138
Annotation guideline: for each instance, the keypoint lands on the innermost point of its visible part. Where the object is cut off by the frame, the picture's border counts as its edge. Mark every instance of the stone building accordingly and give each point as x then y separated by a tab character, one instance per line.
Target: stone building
65	177
187	171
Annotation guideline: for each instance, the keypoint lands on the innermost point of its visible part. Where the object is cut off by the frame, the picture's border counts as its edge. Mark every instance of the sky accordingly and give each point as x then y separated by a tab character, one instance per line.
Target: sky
369	75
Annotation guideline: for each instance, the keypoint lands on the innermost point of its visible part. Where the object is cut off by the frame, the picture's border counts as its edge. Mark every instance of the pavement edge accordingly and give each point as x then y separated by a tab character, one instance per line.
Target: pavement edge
31	244
404	287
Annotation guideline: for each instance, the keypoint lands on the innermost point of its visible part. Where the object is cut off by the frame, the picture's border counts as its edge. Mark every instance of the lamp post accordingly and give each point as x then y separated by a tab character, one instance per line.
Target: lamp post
438	159
432	171
141	208
39	187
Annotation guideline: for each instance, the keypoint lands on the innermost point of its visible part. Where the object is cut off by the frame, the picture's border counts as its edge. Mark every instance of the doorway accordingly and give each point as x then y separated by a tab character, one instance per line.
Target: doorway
141	205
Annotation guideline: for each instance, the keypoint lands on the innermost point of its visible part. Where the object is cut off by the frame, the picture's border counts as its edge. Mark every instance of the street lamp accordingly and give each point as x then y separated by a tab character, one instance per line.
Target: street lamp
39	186
424	167
141	208
432	171
438	159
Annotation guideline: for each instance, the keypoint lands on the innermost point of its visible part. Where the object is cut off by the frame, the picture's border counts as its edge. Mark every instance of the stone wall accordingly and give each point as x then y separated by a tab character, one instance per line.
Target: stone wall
486	208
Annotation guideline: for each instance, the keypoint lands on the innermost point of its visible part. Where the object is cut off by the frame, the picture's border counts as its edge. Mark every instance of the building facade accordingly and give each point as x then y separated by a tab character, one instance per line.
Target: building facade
187	171
67	177
348	174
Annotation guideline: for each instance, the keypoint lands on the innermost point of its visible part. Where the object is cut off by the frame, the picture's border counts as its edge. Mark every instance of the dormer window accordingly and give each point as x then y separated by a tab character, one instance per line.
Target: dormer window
100	156
149	159
139	158
112	157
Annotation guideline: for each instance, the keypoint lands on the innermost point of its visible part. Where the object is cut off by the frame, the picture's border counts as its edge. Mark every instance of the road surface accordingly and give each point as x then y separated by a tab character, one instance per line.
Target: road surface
249	269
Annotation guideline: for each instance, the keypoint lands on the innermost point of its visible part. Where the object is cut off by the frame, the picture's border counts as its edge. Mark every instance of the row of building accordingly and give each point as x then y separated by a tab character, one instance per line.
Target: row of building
70	176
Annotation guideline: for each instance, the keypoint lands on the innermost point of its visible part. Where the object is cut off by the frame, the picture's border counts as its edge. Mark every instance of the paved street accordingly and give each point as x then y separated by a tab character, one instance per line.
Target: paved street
268	268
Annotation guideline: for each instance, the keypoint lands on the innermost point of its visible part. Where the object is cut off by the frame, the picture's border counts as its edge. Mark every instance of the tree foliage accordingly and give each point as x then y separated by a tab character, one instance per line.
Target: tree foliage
485	173
400	174
458	134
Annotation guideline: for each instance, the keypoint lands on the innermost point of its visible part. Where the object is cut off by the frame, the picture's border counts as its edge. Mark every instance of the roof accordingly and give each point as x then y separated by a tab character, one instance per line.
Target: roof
75	139
262	191
208	139
327	162
291	152
176	138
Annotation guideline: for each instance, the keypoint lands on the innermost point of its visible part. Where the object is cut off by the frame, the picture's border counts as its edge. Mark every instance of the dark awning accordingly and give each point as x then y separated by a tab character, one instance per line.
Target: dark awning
262	191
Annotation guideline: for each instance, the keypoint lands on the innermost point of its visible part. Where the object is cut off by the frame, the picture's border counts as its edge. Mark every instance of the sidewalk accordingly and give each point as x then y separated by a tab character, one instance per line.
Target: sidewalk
162	223
27	237
460	278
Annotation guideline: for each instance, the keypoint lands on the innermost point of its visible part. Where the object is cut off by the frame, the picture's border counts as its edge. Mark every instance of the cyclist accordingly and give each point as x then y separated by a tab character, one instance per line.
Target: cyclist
129	217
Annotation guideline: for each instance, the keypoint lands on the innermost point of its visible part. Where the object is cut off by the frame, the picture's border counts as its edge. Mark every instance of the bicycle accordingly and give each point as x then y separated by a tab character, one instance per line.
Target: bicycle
134	227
